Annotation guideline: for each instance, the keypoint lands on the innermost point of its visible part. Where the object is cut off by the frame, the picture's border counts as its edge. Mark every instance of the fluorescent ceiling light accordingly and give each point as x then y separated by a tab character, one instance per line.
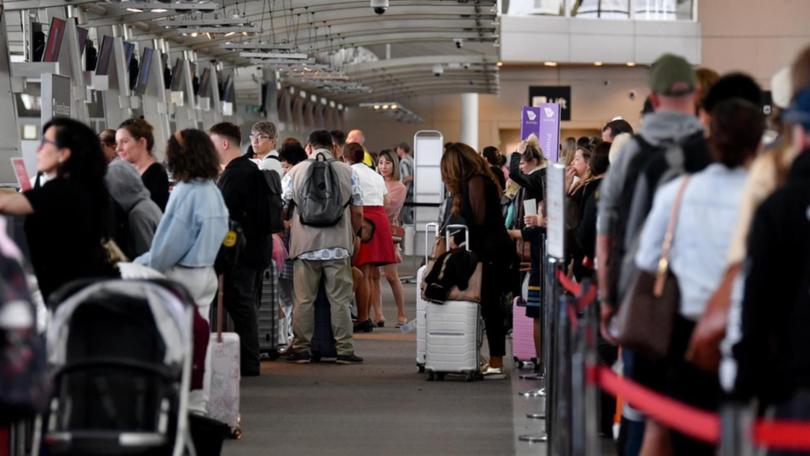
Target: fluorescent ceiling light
499	64
135	10
550	64
160	10
597	63
273	55
631	64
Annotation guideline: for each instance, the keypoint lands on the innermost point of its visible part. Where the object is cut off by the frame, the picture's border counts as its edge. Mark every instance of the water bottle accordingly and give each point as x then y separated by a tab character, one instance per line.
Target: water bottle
408	327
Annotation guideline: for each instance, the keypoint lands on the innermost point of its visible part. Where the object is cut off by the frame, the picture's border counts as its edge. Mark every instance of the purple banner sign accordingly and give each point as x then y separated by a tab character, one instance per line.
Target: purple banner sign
529	122
550	130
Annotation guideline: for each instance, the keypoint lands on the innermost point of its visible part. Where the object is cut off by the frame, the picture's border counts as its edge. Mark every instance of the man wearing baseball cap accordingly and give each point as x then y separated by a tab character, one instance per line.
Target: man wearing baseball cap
670	142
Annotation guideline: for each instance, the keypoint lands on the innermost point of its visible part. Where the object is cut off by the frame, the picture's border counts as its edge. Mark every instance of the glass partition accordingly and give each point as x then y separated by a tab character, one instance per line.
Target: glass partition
649	10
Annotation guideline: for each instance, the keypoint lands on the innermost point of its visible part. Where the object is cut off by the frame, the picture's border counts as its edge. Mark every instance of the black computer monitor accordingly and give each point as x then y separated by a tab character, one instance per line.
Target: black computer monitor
205	82
228	93
129	51
104	56
176	80
82	34
143	74
54	44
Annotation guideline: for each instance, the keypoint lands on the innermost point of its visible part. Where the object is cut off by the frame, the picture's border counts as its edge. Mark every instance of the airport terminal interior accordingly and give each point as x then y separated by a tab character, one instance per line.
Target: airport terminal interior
404	227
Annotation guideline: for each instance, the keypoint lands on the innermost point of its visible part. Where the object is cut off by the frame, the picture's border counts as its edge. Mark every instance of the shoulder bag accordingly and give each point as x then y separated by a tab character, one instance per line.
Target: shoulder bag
647	312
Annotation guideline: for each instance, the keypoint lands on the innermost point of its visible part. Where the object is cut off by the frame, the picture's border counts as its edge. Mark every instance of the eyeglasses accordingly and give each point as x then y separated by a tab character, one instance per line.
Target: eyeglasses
47	141
255	137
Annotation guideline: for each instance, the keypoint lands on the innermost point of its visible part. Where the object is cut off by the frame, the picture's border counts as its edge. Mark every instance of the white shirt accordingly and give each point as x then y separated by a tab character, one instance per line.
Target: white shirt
372	185
270	162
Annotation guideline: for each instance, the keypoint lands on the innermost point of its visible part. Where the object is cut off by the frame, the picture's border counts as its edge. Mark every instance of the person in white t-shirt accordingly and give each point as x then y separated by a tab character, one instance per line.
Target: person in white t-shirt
263	139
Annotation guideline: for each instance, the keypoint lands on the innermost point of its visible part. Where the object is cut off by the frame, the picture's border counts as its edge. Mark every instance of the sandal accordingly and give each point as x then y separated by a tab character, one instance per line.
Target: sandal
401	321
381	323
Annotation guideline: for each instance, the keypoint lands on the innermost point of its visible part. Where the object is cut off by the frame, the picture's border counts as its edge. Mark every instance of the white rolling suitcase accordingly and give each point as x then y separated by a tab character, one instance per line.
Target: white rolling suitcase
223	401
454	333
421	304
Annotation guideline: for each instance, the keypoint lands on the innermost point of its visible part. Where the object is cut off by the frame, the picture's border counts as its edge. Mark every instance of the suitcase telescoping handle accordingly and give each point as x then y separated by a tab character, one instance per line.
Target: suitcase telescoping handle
220	298
449	228
428	227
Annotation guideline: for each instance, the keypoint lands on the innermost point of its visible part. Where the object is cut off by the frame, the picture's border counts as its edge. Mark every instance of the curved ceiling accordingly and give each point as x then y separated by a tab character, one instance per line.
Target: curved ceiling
409	40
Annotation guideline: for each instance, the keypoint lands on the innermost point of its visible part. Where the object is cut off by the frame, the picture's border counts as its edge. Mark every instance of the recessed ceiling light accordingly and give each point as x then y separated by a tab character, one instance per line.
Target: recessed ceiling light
160	10
135	10
393	106
550	64
230	34
500	64
597	63
385	107
194	34
631	64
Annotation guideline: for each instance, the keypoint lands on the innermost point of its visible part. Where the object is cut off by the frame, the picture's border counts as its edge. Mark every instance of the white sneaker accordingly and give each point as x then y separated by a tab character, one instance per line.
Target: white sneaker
493	373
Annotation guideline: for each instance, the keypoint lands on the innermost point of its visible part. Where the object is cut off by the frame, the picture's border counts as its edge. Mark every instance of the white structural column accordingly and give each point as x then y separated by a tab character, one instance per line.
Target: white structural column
469	119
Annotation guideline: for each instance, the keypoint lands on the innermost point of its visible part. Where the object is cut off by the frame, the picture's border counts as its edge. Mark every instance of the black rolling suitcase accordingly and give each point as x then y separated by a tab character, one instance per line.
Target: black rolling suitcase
323	339
268	313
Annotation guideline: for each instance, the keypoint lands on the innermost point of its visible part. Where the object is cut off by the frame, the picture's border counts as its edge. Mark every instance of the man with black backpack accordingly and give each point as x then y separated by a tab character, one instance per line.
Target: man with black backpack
328	211
244	189
671	142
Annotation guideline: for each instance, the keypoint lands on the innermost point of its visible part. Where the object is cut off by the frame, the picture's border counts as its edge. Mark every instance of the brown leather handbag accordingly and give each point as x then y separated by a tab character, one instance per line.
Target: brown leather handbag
704	346
647	313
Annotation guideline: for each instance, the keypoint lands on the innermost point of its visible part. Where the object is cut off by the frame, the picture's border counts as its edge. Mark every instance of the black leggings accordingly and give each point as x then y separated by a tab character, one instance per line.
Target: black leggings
492	309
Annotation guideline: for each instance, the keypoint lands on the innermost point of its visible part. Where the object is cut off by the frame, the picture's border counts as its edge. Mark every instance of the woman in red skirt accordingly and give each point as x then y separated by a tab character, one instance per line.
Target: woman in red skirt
376	246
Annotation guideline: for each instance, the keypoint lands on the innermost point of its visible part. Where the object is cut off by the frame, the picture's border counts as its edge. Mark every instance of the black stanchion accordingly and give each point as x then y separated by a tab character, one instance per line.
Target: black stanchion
736	421
561	393
585	394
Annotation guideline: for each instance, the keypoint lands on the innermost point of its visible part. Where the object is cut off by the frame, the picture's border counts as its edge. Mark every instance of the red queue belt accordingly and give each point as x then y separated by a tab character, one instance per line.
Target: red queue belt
696	423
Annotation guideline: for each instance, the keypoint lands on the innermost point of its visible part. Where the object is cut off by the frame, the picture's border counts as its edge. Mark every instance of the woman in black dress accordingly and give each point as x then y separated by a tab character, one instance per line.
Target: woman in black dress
476	199
68	215
135	142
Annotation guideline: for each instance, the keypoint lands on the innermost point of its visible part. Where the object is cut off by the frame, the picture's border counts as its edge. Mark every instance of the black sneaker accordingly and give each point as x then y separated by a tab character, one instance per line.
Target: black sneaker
349	359
299	357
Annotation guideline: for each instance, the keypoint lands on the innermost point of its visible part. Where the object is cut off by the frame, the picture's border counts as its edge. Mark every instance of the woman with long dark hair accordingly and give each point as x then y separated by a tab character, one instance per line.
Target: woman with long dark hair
68	216
476	199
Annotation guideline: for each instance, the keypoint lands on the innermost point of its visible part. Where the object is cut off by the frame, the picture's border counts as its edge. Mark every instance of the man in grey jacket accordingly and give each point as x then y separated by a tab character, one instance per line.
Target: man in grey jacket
670	143
139	215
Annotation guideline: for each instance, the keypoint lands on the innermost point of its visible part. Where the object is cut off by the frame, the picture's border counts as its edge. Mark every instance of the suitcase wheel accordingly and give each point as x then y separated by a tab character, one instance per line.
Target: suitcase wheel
430	376
236	433
273	354
421	368
440	376
469	377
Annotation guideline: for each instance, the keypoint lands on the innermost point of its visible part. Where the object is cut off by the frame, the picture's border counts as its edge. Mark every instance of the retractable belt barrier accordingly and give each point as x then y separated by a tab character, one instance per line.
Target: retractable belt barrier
577	375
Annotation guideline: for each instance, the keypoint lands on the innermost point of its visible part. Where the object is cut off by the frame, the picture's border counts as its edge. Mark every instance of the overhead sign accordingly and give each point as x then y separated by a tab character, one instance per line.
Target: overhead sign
561	95
555	211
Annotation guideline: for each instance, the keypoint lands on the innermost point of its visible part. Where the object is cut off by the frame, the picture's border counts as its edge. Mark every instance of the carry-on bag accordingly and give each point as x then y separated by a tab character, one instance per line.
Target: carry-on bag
268	313
421	304
523	349
223	402
454	334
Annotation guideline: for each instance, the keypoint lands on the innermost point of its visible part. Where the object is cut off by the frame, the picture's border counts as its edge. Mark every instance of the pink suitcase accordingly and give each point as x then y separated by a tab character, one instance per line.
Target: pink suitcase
223	402
522	334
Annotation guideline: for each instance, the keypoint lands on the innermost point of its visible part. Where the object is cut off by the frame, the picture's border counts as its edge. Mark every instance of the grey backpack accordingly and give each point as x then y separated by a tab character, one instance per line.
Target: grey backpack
319	201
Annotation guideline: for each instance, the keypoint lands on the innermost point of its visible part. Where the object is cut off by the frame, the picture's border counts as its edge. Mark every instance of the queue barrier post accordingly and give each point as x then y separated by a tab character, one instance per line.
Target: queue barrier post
550	296
561	392
736	427
585	393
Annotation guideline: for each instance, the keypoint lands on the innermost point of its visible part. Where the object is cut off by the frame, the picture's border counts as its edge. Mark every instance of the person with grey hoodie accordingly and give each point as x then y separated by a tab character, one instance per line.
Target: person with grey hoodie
137	216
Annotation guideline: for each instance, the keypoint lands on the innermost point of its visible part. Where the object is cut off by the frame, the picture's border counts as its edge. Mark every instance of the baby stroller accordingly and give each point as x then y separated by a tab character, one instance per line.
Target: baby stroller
120	355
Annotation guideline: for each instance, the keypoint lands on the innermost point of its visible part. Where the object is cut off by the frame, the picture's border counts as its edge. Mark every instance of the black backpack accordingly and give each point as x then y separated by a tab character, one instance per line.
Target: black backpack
231	248
319	201
275	205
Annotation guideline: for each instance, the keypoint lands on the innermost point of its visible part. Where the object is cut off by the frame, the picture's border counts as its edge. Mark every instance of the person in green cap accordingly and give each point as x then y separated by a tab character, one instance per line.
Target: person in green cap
670	143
